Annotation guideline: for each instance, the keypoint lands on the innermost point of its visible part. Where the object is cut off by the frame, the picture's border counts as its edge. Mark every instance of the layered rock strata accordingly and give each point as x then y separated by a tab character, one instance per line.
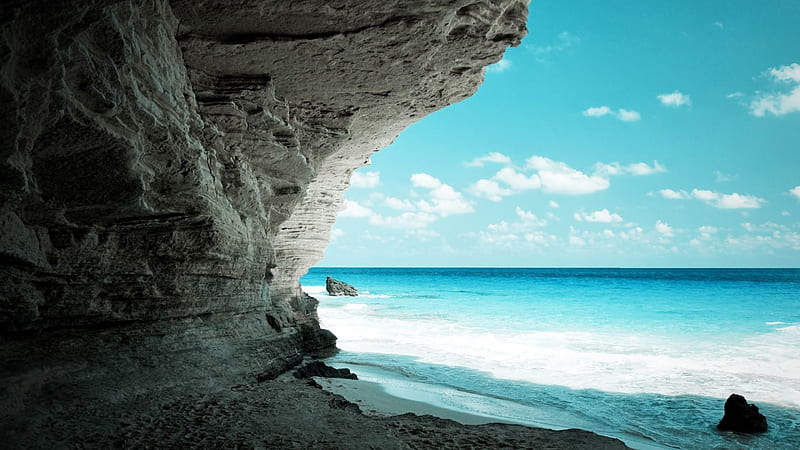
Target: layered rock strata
168	171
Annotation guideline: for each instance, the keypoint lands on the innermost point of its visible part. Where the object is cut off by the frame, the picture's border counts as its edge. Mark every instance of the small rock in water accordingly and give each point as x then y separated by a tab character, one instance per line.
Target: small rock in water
742	417
320	369
338	288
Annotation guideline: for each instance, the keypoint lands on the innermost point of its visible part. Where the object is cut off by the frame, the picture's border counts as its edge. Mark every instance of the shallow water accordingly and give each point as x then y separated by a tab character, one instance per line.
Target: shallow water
644	355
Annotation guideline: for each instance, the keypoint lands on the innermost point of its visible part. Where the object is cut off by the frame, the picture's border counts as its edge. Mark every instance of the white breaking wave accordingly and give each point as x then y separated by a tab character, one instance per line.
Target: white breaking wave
765	367
321	291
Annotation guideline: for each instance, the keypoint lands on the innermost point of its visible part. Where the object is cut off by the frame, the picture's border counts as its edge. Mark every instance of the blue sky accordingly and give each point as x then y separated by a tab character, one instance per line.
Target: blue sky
620	133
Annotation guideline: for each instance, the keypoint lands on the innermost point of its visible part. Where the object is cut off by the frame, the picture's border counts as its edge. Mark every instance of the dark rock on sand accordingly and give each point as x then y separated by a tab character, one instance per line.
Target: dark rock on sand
338	288
320	369
742	417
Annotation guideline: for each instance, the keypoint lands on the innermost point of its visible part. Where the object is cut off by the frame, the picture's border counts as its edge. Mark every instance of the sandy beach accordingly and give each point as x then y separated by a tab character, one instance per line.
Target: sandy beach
285	413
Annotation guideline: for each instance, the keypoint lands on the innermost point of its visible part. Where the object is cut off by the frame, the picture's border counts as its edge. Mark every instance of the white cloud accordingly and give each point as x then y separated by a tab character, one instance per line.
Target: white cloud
576	241
621	114
551	176
719	25
353	209
444	200
786	73
705	195
598	111
423	180
734	95
407	220
399	204
493	157
628	116
365	179
795	191
674	195
728	201
706	231
558	178
675	99
529	219
640	168
664	229
500	66
644	169
518	181
336	233
489	189
602	216
776	104
780	103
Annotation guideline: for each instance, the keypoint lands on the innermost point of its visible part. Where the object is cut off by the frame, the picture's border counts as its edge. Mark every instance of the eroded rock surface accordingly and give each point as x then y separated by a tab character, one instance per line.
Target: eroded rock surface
168	171
339	288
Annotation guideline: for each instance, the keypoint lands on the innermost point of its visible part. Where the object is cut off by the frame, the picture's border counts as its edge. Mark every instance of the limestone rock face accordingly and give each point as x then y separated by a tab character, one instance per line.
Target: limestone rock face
163	161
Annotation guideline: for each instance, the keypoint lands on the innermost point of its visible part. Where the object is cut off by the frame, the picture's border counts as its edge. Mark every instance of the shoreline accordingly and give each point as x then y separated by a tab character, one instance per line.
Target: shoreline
387	397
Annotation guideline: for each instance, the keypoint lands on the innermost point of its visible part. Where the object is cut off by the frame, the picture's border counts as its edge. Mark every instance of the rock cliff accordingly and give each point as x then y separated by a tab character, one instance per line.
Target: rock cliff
169	169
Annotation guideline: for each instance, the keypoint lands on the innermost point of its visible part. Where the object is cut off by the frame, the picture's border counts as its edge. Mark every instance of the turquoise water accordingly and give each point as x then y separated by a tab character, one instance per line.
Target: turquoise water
646	355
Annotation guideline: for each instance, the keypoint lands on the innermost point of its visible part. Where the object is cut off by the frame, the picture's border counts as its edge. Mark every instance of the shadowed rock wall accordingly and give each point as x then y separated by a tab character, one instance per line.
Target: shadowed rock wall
168	161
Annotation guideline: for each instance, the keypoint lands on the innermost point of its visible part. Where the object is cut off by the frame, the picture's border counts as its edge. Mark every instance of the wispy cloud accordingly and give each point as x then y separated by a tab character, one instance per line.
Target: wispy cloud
407	220
365	179
720	177
563	41
399	204
715	199
639	169
493	157
500	66
718	25
779	103
675	99
624	115
674	195
728	201
795	191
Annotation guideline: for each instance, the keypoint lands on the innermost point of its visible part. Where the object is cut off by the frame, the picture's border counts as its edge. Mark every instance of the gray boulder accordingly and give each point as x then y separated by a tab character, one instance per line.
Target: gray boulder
337	288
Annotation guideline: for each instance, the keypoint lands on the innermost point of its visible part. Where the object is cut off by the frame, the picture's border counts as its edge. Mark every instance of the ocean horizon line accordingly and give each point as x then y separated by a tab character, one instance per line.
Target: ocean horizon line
565	267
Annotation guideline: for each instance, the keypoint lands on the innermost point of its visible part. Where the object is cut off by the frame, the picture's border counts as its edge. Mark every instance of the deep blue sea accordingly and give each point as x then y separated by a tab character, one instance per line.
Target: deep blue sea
645	355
